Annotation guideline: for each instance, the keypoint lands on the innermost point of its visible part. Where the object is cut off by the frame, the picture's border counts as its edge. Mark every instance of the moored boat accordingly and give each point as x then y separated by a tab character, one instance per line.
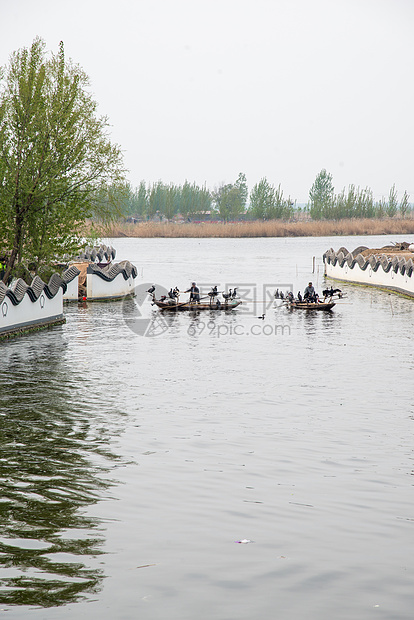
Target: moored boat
310	301
171	302
305	305
170	305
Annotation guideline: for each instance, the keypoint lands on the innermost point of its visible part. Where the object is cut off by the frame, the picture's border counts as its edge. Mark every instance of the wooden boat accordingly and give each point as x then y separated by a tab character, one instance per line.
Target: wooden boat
229	304
304	305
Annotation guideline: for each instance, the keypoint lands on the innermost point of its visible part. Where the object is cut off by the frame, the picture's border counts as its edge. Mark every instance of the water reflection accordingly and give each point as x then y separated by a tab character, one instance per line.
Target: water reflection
49	473
316	322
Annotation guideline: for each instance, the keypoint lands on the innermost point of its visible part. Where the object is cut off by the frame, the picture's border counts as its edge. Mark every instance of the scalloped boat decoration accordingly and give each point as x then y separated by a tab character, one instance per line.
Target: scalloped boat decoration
25	307
390	267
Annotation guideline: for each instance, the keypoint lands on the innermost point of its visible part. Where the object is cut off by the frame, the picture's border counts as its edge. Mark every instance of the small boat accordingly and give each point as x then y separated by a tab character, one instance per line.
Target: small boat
312	305
171	305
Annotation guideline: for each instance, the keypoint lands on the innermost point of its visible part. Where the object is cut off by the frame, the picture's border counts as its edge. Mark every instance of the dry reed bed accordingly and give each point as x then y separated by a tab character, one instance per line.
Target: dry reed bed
273	228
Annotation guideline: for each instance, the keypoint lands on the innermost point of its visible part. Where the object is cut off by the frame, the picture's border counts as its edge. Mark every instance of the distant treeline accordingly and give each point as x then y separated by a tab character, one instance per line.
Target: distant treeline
324	204
233	202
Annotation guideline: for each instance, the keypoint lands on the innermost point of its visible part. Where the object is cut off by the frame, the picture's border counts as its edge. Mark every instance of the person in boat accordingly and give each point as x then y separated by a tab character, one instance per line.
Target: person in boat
310	294
194	292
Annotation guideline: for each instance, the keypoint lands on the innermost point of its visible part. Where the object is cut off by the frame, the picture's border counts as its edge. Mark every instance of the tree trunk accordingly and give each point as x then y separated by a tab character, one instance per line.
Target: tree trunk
15	251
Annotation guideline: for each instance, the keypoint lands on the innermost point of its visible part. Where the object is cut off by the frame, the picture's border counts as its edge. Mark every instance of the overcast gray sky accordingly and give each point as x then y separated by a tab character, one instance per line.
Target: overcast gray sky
204	89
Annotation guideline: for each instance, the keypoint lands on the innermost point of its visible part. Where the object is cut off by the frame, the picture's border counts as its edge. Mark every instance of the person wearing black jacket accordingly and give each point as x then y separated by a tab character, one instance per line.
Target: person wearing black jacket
194	292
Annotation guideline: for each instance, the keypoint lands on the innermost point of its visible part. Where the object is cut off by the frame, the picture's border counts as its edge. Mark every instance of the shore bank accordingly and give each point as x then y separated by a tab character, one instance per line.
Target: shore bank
273	228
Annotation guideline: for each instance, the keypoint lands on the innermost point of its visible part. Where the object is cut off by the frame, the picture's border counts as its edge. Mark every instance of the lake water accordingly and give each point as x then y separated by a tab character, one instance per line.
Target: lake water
136	450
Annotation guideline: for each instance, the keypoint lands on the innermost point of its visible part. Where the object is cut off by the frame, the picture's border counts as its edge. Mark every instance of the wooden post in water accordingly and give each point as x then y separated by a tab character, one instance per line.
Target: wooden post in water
313	268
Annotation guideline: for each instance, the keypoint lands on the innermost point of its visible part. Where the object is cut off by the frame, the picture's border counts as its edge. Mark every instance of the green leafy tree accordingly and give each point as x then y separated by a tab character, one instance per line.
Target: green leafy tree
170	205
228	202
232	204
151	202
200	201
141	200
156	200
194	205
186	199
351	203
114	201
404	205
128	200
381	208
282	208
268	203
344	205
54	151
321	196
205	199
262	200
365	206
392	204
241	185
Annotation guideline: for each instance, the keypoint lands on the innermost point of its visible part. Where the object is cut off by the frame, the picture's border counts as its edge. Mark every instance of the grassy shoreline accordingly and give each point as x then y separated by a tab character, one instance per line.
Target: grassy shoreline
274	228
